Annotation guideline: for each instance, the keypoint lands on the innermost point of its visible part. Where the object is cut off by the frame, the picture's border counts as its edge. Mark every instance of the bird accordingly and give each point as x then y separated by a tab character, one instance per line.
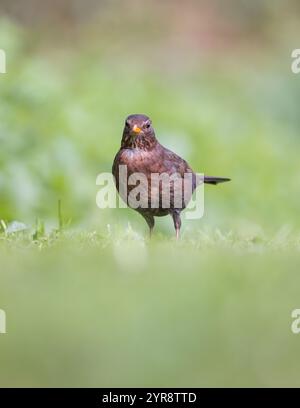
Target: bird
142	154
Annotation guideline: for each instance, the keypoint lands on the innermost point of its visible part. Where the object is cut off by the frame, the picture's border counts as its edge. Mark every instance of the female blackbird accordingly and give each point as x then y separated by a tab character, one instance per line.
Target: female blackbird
143	156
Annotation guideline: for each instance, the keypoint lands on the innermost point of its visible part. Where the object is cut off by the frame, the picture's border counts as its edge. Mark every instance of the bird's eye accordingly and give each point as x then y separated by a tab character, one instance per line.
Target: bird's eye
147	125
127	123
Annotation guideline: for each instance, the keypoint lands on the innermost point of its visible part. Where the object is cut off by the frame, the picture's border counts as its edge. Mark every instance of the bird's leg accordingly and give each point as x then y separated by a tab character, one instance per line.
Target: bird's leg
177	222
150	221
150	232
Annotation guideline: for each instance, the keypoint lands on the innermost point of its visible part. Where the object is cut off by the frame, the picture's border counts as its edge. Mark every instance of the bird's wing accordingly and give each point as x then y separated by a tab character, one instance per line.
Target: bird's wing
174	163
178	165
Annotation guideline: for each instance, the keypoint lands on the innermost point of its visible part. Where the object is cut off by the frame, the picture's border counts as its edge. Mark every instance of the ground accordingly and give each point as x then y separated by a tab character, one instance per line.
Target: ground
114	309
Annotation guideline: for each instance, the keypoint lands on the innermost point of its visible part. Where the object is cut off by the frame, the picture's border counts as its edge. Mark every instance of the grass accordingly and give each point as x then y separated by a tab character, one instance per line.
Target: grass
114	309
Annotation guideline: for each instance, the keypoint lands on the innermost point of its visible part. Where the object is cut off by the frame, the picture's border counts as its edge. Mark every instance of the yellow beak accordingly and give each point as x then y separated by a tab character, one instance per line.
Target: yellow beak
136	129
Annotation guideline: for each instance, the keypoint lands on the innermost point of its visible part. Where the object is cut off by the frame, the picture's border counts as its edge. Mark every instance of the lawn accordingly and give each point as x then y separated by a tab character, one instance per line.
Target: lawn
115	309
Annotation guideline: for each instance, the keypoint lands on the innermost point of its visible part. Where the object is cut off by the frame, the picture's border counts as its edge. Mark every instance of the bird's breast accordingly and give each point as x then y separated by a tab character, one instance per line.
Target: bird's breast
137	160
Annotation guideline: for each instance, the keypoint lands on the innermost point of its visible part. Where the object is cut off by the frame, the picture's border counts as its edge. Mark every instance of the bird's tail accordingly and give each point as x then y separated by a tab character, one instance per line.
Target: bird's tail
215	180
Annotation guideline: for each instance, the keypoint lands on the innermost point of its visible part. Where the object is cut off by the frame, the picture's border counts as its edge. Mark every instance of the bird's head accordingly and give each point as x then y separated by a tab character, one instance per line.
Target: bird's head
138	132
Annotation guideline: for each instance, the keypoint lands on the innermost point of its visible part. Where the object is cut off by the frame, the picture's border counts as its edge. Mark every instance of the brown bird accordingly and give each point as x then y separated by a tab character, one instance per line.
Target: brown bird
144	157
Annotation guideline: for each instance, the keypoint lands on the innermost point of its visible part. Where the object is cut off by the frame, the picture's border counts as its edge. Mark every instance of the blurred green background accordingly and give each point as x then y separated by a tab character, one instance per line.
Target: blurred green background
95	303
